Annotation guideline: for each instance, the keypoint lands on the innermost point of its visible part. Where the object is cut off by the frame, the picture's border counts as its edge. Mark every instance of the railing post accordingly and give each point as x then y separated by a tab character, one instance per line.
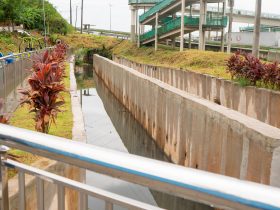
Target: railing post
5	86
61	197
15	75
21	70
40	193
4	178
83	201
21	186
109	205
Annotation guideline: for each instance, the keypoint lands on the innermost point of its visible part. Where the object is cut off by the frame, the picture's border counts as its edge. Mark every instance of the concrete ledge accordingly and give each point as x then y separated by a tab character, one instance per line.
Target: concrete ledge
261	104
193	131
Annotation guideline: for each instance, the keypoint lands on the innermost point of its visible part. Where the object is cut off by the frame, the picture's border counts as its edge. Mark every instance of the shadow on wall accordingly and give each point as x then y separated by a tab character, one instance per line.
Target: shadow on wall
139	142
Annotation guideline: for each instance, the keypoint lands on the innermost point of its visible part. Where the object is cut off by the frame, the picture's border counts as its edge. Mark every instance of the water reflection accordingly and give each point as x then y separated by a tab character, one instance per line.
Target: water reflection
84	76
136	140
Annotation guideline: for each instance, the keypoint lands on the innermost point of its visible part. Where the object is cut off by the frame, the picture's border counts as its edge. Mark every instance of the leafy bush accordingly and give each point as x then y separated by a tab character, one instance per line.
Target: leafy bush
245	67
46	85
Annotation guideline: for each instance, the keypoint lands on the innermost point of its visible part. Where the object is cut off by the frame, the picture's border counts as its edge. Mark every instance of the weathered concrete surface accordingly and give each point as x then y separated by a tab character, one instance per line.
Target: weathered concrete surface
261	104
50	190
193	131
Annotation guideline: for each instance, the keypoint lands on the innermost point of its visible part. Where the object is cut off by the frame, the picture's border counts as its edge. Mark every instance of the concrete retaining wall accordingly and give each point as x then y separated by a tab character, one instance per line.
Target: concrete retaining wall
195	132
261	104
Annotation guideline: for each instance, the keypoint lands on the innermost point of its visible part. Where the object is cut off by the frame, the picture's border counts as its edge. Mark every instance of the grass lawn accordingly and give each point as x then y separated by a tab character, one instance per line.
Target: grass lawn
63	128
77	41
206	62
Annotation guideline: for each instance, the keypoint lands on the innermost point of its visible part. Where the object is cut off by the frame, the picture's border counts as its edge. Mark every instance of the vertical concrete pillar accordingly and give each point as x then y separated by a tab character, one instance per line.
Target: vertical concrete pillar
183	8
173	43
156	33
142	29
223	30
190	40
202	20
231	5
133	22
190	34
137	28
257	29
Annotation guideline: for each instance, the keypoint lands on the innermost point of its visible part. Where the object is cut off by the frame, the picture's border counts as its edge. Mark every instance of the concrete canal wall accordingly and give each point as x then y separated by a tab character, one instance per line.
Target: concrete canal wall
193	131
261	104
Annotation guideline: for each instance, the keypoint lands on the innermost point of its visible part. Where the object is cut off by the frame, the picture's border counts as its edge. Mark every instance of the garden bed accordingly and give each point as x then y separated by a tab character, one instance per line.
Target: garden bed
63	127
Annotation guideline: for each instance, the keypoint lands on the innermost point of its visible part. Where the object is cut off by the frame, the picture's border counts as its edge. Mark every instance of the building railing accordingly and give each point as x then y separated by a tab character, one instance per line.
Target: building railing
239	12
159	6
144	1
191	21
204	187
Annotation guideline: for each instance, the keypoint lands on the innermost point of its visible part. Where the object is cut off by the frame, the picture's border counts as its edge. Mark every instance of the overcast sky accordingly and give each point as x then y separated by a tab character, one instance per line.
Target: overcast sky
97	12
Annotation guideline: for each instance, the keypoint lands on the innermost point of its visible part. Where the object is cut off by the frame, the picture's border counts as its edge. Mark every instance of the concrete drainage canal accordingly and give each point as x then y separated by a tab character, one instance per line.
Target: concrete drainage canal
109	124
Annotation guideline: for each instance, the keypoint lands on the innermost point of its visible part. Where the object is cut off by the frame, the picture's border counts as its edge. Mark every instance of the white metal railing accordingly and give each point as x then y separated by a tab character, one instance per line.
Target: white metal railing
239	12
199	186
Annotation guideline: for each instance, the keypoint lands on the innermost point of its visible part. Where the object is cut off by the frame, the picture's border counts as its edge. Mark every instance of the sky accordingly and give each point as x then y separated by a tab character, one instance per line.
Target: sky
97	12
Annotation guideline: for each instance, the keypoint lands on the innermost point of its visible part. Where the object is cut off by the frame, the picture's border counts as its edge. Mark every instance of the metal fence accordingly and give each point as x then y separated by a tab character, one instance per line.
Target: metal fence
203	187
191	21
144	1
14	69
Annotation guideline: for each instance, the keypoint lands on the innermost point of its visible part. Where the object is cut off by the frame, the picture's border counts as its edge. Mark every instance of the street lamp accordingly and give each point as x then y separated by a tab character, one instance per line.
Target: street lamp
110	6
82	15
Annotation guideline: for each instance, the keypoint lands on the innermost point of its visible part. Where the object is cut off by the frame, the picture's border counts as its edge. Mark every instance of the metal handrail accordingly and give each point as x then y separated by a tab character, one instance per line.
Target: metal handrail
62	182
144	1
212	189
188	21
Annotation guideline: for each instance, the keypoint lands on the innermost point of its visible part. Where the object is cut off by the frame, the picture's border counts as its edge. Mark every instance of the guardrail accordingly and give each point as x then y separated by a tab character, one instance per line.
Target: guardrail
159	6
204	187
239	12
143	1
188	21
13	71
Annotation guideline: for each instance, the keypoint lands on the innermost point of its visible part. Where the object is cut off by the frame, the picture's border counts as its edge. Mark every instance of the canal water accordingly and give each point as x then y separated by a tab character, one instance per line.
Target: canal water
109	124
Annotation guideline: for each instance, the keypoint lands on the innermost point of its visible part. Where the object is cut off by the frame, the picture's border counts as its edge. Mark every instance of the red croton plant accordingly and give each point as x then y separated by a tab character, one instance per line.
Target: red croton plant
243	65
46	85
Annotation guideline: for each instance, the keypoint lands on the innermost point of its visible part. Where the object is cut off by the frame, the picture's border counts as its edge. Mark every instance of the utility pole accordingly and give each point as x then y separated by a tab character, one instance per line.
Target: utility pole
70	12
231	5
183	8
82	15
76	18
110	6
257	29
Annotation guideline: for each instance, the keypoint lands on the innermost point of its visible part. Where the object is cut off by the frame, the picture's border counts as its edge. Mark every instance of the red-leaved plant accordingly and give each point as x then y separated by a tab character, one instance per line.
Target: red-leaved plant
46	84
242	65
